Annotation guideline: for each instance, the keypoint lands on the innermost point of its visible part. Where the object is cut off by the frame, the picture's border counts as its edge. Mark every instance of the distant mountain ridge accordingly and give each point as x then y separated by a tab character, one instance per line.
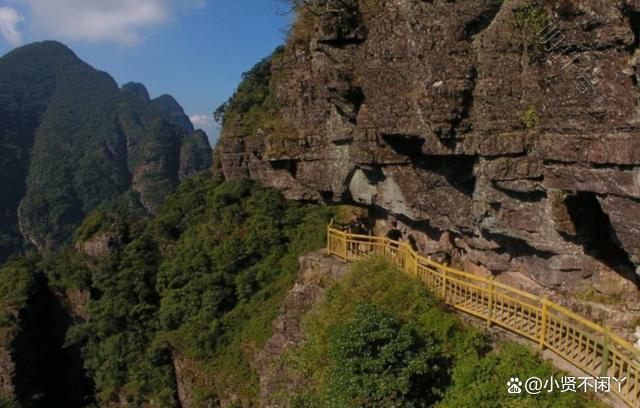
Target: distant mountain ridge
71	141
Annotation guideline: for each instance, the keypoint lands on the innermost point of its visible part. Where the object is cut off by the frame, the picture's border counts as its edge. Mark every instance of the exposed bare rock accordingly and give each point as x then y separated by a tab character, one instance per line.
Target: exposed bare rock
99	245
454	117
185	381
317	270
7	370
624	214
77	301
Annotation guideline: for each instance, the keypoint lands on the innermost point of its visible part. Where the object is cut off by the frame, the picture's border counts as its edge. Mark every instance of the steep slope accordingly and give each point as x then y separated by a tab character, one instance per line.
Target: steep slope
177	302
37	368
502	132
172	109
72	141
25	92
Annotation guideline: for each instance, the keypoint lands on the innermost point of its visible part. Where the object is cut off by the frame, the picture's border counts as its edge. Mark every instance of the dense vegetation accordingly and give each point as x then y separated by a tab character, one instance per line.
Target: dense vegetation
17	284
202	280
25	89
21	297
380	340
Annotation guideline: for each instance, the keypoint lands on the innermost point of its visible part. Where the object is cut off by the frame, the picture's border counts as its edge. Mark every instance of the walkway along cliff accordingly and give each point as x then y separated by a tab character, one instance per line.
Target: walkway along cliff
581	342
505	133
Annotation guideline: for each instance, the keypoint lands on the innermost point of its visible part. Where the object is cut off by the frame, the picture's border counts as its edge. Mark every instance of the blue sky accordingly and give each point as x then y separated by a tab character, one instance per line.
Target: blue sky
195	50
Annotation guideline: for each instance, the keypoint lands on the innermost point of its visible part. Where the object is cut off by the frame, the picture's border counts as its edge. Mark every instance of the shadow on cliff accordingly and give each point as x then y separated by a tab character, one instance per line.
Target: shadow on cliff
593	231
456	169
48	374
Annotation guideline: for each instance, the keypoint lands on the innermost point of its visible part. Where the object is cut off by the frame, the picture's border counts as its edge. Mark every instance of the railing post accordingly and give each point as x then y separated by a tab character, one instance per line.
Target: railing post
491	301
387	249
329	239
345	246
604	367
444	285
415	264
545	317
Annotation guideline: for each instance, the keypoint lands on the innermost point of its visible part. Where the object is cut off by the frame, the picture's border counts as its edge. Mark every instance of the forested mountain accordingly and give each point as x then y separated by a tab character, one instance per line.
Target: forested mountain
72	141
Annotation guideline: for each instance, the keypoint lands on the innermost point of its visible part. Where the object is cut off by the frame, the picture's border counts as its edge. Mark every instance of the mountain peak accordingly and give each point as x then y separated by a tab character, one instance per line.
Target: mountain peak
168	105
137	89
52	52
167	101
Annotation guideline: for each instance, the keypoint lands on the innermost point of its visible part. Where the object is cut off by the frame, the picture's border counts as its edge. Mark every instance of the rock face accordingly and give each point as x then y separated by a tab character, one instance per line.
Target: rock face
71	141
7	371
316	271
99	245
508	127
36	367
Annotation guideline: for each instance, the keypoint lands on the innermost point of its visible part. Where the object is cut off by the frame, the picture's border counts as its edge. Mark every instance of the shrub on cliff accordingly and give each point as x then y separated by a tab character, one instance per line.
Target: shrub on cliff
18	283
251	104
382	361
531	20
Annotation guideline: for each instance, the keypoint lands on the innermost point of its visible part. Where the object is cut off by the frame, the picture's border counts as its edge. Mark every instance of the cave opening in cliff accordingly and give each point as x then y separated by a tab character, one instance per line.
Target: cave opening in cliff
514	246
290	166
347	102
327	196
481	22
593	231
457	170
405	145
634	22
356	97
566	9
524	196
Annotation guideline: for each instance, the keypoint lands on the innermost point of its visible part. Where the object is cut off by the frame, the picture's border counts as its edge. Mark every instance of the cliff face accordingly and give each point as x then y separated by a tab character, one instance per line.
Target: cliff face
37	368
503	132
317	272
72	141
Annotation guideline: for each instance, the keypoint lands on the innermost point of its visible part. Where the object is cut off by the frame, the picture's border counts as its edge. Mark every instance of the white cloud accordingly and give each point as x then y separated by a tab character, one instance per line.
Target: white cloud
120	21
9	19
203	122
206	123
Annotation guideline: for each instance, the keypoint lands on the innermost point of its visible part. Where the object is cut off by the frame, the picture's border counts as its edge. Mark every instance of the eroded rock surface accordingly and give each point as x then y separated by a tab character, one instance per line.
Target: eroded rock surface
317	270
457	118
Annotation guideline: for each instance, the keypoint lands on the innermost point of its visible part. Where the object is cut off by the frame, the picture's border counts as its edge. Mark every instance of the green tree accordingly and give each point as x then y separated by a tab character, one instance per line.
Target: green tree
381	362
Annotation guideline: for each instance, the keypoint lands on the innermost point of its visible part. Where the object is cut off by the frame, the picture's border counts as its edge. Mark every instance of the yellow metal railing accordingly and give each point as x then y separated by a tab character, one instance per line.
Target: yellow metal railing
581	342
